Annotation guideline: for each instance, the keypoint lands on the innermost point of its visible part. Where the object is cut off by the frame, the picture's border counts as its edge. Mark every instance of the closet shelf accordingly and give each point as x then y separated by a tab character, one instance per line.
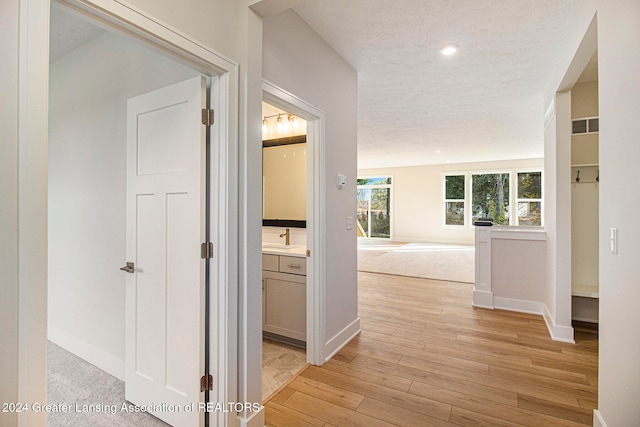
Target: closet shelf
585	291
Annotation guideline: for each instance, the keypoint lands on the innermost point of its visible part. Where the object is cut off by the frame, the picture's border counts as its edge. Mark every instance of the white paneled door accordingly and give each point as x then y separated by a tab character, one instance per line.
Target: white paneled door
165	226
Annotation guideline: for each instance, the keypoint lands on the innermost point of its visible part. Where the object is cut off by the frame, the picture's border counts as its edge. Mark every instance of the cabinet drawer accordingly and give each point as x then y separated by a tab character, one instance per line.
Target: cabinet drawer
270	262
293	265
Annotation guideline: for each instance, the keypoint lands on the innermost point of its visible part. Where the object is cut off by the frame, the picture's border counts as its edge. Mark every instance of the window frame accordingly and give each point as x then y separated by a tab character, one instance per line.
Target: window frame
391	202
463	200
513	195
509	173
519	200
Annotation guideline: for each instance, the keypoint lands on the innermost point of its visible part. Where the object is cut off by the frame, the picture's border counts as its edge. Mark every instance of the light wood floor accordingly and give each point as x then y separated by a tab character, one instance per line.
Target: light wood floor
426	357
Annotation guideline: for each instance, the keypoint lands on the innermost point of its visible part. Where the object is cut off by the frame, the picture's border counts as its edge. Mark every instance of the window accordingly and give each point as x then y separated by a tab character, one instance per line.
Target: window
454	199
529	198
509	198
490	197
374	207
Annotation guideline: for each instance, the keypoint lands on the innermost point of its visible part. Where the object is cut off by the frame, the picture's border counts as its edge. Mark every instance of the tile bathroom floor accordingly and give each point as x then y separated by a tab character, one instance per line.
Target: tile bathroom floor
280	362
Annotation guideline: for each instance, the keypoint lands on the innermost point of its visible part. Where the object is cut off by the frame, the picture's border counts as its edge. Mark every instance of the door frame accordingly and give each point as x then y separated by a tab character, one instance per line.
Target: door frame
316	220
32	96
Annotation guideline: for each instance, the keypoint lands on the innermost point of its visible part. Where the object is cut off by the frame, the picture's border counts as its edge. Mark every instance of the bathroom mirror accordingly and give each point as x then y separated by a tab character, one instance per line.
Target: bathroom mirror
284	182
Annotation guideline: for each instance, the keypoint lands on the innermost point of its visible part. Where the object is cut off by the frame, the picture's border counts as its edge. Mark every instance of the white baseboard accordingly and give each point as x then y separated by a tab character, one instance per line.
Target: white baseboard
520	306
255	420
598	421
97	357
482	299
558	333
336	343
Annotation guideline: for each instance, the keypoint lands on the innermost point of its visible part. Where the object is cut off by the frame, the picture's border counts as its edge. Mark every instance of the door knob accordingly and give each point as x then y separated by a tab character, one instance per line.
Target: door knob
128	268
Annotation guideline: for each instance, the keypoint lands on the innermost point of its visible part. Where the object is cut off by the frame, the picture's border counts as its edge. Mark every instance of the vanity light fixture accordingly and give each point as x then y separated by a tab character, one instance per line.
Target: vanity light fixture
292	121
449	49
281	126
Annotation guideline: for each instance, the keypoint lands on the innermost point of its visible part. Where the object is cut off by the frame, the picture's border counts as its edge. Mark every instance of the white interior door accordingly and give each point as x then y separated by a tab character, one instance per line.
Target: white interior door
165	226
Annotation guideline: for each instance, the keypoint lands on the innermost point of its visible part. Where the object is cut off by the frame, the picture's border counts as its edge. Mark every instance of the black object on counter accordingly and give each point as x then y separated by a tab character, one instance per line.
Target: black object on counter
484	222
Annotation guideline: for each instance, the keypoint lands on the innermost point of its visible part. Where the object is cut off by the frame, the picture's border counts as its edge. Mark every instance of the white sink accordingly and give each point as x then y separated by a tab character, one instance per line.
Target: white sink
278	246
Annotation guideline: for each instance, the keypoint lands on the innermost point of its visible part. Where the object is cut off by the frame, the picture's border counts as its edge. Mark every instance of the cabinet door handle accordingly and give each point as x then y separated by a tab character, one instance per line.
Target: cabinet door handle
293	266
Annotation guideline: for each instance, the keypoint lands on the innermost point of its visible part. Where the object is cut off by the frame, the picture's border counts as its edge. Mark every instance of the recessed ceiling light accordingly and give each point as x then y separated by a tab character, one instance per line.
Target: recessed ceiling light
449	49
438	151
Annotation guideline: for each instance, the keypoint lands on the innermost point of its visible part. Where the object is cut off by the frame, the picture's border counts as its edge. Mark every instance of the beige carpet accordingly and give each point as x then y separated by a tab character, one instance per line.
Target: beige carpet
72	381
454	263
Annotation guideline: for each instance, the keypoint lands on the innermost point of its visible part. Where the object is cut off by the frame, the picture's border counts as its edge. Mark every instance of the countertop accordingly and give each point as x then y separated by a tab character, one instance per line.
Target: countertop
280	249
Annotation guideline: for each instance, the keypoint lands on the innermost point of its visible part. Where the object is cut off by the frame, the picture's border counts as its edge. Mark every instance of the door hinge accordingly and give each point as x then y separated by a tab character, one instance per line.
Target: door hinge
206	250
206	382
207	116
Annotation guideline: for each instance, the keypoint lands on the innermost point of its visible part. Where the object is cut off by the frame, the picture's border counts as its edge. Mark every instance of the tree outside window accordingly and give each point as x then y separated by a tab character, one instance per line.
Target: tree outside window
454	199
530	198
490	197
374	206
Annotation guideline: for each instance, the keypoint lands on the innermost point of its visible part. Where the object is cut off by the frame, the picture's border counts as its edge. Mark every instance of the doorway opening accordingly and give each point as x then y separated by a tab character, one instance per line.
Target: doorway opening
90	83
292	250
284	244
585	182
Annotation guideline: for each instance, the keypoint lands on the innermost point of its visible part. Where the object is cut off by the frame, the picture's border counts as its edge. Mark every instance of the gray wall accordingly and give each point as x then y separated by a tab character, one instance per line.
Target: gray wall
296	59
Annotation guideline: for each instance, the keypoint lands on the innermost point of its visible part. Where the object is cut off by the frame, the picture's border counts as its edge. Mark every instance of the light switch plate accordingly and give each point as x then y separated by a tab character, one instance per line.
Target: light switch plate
614	240
341	181
349	223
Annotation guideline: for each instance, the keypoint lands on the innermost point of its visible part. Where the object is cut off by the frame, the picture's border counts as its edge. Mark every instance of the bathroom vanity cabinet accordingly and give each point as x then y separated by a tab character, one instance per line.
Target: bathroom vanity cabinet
284	296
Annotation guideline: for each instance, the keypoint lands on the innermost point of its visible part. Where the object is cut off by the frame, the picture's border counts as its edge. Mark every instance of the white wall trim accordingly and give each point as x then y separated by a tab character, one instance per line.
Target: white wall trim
135	22
521	306
482	292
550	113
316	229
558	333
255	420
482	299
598	421
32	190
341	339
140	25
518	233
88	352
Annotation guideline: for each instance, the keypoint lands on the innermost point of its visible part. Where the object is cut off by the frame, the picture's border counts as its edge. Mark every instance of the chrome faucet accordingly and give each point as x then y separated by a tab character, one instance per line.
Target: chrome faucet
287	236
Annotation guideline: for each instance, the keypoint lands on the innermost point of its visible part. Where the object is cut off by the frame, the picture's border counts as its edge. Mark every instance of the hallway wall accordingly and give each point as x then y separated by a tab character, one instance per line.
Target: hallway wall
619	97
296	59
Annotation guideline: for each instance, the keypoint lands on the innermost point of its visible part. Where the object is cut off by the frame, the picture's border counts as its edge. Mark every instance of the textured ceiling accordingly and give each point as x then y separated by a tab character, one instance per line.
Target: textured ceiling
68	32
417	106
